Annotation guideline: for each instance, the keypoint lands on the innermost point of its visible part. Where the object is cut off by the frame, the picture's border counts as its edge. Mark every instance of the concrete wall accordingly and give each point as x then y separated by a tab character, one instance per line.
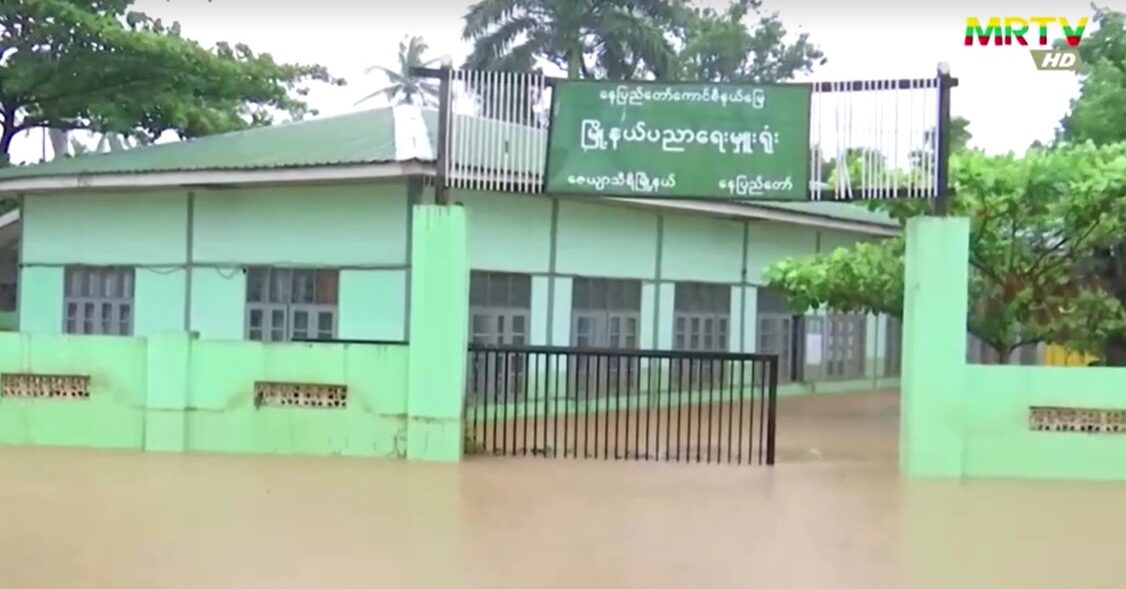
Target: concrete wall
171	391
965	420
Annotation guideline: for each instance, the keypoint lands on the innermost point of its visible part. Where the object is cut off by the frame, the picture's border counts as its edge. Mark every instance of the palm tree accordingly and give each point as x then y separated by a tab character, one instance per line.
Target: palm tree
402	87
612	39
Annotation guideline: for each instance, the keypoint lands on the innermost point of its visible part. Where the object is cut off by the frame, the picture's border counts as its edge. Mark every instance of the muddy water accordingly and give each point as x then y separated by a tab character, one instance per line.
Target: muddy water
833	514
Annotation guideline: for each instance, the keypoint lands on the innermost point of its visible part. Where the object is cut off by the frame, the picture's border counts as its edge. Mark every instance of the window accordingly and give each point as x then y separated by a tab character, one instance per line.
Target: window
9	276
499	308
284	304
98	300
776	328
702	313
844	345
893	352
605	313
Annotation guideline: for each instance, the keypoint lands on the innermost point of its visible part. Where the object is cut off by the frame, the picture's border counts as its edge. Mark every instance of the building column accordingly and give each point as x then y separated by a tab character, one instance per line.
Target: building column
439	315
934	346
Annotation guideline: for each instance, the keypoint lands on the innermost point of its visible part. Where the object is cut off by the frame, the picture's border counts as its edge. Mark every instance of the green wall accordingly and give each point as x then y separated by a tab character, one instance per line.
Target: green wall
963	420
362	229
174	392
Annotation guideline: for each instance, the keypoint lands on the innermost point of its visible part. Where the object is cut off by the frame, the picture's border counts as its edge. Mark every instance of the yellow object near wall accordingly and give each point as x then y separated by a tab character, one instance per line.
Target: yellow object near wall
1056	355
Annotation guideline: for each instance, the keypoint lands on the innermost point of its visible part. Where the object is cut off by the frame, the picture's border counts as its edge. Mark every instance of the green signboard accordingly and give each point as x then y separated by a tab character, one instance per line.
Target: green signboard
715	141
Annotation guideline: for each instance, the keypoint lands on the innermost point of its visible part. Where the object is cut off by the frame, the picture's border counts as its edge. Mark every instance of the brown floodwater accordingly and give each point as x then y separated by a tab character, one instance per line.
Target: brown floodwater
832	513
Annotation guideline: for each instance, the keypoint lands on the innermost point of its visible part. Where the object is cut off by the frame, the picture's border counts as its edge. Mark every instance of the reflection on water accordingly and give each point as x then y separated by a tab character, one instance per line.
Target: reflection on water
835	515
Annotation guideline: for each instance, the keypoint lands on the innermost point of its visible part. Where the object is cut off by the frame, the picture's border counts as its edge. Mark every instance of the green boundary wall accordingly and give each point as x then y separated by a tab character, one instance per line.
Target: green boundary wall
963	420
174	392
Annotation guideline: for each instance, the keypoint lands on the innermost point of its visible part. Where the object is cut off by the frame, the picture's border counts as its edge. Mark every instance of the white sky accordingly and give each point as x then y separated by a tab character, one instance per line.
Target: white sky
1008	102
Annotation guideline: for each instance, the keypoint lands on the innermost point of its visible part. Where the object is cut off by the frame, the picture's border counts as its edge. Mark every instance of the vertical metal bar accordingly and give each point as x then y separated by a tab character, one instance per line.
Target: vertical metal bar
772	414
942	149
494	363
617	407
770	364
742	393
711	364
637	412
650	406
555	415
730	407
586	410
474	395
751	415
606	404
441	189
504	377
699	405
527	398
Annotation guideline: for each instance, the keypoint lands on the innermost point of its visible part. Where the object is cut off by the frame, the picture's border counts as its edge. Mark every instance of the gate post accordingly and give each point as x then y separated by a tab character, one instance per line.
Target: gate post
934	346
439	315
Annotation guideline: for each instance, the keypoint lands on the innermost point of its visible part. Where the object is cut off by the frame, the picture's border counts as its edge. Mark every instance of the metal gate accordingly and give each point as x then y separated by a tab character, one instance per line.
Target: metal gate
621	404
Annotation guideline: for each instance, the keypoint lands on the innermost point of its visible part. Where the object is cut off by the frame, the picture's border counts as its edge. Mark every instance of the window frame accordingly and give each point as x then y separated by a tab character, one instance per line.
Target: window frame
79	293
280	297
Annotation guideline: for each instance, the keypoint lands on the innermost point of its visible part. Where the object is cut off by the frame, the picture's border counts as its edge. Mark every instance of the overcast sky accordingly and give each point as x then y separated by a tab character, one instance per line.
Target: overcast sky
1008	102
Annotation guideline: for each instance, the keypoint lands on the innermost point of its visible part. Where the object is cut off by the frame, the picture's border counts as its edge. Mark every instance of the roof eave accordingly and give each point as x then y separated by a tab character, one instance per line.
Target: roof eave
748	210
190	178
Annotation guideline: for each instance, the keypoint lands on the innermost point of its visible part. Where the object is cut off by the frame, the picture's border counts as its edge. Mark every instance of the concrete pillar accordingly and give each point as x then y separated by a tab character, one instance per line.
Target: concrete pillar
934	347
167	383
438	326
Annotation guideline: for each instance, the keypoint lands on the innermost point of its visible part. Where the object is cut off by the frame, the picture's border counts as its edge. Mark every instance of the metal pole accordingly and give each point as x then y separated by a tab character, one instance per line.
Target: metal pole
942	188
441	190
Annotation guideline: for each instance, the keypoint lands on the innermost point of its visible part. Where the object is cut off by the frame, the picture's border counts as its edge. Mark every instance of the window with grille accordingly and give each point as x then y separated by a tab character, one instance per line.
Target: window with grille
701	315
500	305
893	352
776	325
9	273
98	300
500	309
605	313
284	304
844	338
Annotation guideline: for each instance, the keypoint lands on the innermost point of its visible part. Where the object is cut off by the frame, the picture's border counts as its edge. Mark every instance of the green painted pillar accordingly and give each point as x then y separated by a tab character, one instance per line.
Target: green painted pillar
167	356
439	323
934	347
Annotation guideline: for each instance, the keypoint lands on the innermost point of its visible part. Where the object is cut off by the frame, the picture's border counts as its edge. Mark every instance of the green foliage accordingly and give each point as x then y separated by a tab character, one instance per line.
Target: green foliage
637	39
85	64
718	46
402	87
613	39
1035	223
1099	115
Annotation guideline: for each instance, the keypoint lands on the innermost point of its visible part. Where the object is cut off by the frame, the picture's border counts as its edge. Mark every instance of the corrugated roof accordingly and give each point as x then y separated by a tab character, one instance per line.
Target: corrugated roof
354	138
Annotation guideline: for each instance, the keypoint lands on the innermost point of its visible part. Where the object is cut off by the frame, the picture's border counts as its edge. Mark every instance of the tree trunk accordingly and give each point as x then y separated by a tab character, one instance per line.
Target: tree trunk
574	68
6	137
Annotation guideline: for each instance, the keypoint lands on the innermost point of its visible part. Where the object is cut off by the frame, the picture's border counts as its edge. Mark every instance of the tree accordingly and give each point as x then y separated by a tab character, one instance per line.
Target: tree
81	64
403	88
1035	222
1099	115
610	39
719	47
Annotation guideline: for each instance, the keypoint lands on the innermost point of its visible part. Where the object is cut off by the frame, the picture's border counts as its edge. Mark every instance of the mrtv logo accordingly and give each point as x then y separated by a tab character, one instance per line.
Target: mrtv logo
1031	32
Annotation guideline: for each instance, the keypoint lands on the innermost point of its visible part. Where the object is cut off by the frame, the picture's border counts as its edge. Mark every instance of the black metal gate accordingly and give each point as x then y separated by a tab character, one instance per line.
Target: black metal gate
621	404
